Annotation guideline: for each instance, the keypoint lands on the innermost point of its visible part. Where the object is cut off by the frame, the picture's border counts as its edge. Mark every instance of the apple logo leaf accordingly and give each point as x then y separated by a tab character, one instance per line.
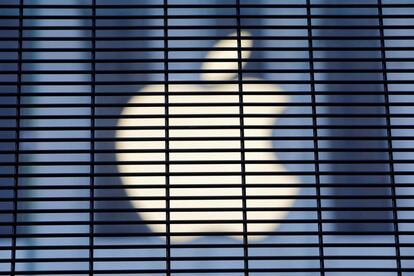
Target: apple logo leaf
226	49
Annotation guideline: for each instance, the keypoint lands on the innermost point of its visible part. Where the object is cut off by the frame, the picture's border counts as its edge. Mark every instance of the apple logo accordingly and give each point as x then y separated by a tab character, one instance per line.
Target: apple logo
212	154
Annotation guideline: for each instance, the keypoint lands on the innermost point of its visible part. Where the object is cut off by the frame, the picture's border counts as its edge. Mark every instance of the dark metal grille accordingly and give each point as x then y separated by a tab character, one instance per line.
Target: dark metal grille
234	137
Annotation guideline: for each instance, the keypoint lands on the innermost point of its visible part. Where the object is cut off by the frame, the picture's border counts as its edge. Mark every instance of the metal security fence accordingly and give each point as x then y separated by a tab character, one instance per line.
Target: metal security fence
235	137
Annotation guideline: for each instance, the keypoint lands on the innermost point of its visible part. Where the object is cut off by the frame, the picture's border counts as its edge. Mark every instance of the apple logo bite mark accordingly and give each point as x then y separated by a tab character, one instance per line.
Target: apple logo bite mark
208	152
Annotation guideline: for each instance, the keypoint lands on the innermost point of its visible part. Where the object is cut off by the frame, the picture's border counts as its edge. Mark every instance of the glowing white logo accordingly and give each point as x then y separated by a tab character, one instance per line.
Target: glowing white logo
192	161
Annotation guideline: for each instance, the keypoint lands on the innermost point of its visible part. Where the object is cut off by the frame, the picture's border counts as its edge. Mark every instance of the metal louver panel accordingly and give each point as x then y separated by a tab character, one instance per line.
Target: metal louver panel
236	137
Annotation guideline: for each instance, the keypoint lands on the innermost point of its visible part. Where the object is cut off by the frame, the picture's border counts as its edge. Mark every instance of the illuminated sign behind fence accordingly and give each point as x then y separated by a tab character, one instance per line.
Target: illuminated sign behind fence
211	159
